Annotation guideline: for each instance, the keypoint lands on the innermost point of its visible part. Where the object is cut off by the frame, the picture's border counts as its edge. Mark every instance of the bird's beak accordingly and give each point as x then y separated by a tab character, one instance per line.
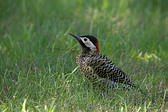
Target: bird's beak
77	37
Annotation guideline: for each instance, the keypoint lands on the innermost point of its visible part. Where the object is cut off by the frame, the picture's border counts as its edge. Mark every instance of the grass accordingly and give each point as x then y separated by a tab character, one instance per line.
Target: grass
37	56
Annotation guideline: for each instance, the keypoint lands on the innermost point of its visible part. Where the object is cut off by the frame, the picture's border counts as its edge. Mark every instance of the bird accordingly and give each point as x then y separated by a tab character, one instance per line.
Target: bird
97	67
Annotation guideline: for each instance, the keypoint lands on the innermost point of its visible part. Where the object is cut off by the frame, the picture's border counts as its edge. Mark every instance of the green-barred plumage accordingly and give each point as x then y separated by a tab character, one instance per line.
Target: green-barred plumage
96	66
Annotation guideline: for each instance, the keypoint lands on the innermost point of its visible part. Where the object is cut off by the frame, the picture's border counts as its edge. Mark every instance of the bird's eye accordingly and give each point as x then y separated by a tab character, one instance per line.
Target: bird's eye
85	39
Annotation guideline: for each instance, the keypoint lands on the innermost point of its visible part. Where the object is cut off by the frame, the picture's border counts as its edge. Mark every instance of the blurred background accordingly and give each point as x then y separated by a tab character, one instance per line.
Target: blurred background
37	30
34	38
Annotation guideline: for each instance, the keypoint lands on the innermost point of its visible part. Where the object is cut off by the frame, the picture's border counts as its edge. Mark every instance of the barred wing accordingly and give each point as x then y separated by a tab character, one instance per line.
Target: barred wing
104	67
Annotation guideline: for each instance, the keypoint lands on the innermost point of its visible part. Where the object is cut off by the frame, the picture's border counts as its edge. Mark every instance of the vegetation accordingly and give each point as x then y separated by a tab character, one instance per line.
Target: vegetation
37	56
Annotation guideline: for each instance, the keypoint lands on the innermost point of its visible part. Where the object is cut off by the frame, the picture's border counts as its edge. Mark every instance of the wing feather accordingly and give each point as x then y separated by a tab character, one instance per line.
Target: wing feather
105	68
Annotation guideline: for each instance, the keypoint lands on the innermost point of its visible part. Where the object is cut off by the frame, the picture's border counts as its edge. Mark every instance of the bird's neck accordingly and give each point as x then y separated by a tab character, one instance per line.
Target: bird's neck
85	53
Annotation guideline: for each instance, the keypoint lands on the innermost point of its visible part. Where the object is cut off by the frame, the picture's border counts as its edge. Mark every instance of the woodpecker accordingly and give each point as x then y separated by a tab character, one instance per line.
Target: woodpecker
95	66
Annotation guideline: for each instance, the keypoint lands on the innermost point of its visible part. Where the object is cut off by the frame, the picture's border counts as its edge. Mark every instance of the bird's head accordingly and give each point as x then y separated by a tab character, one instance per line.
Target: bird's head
87	42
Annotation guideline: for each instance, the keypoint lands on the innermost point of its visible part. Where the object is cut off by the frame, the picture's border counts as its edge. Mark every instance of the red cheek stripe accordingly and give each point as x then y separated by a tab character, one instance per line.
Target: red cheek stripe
97	47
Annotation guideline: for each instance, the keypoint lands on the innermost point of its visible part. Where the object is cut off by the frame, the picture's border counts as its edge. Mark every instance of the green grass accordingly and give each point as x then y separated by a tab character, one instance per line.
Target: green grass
37	56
